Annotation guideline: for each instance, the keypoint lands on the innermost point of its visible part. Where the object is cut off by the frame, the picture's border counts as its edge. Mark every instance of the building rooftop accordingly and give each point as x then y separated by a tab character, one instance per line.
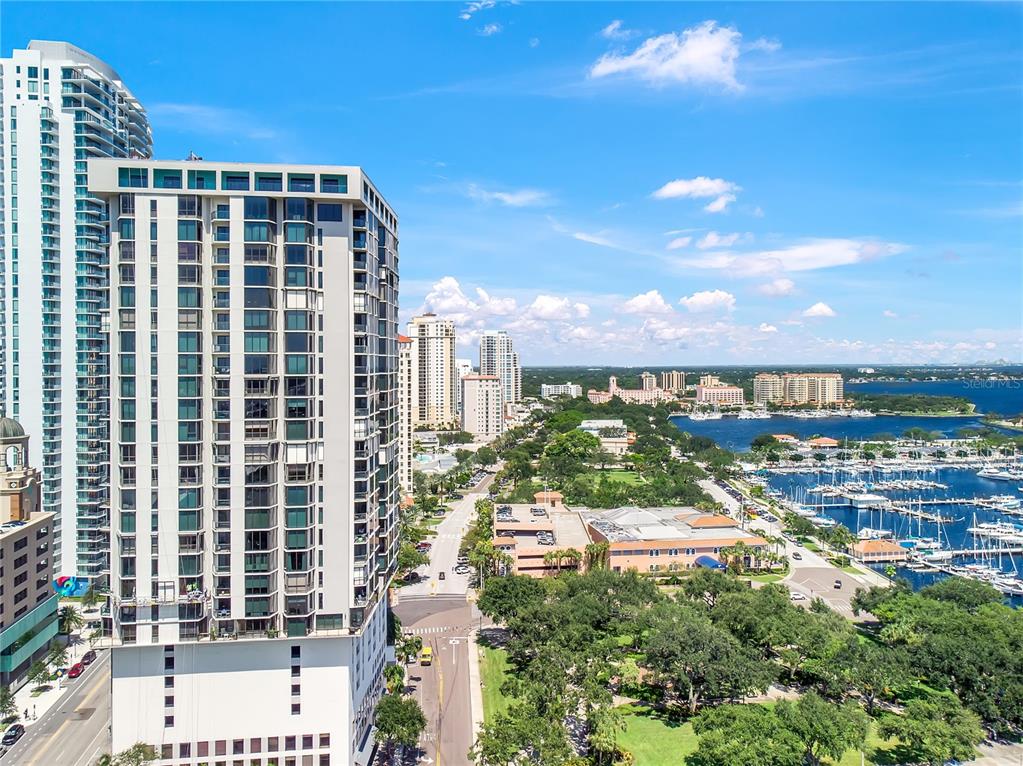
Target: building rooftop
651	524
11	429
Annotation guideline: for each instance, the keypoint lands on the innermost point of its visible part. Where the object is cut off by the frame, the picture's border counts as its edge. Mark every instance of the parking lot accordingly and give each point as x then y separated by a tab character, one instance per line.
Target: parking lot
529	532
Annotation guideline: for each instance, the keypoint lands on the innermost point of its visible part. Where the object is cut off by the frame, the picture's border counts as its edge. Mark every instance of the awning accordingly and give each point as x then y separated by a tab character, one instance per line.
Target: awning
709	562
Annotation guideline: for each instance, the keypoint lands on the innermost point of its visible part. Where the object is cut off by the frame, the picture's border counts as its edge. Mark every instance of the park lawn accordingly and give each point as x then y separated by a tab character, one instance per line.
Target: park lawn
613	474
493	669
767	578
654	740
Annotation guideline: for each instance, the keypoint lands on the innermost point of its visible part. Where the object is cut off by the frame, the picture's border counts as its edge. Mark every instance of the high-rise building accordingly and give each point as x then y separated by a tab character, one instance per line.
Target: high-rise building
483	405
710	380
28	605
433	355
498	357
720	394
673	381
407	383
768	388
813	388
647	381
463	367
253	328
61	106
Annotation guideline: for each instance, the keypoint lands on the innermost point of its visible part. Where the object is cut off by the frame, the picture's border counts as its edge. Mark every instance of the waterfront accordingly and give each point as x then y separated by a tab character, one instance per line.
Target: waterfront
1004	397
960	483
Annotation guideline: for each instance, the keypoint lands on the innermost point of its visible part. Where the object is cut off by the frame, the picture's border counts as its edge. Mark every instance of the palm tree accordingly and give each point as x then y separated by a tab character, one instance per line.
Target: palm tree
597	554
70	619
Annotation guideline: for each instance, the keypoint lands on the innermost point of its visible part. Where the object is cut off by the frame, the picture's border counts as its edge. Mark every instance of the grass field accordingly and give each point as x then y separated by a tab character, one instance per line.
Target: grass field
493	666
612	474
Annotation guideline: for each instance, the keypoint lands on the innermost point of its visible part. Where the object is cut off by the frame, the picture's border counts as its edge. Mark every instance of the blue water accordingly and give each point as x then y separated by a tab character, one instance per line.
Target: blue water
1002	396
734	434
961	483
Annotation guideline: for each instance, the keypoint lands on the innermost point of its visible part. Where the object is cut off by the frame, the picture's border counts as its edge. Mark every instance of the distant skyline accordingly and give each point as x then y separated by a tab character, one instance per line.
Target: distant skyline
632	184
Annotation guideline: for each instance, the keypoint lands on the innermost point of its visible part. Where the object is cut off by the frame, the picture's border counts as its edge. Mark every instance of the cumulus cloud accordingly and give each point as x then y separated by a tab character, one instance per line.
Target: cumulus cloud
616	31
767	328
702	55
679	242
709	300
447	299
550	307
713	239
475	7
820	309
806	256
777	287
646	304
723	192
514	198
489	30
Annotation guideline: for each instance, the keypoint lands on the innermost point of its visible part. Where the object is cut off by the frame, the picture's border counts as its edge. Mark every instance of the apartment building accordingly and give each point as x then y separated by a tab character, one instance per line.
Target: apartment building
720	395
768	388
483	406
554	390
28	605
673	381
498	357
648	381
60	106
433	354
710	380
463	367
408	382
630	395
253	333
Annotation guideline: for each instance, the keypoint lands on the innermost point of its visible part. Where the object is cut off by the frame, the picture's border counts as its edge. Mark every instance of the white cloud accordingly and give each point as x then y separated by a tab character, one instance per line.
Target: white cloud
475	7
514	198
550	307
765	45
709	300
713	239
767	328
679	242
888	313
777	287
616	31
534	42
647	304
820	309
489	30
447	299
700	55
723	192
813	254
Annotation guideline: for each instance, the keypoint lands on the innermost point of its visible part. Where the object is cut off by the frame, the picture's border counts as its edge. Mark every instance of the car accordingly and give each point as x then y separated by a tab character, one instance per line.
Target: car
89	657
461	569
797	555
442	576
76	670
13	734
426	657
423	545
457	496
796	596
838	585
412	577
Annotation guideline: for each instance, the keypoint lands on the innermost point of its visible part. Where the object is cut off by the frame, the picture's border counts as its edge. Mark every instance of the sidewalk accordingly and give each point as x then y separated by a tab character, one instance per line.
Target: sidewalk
37	704
475	685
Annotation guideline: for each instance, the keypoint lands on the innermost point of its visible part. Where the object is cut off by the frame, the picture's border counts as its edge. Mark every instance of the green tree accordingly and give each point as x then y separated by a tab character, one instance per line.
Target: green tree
825	729
505	597
408	647
57	655
744	735
964	592
409	558
936	729
394	677
38	673
139	754
8	704
90	598
521	737
399	721
763	440
606	725
486	456
566	455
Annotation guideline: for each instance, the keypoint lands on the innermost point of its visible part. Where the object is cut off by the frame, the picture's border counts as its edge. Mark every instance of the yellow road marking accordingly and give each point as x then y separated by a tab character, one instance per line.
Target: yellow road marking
440	705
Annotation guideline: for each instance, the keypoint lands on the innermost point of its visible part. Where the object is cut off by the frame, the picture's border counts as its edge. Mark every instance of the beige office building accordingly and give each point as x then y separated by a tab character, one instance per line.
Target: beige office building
673	381
768	389
433	356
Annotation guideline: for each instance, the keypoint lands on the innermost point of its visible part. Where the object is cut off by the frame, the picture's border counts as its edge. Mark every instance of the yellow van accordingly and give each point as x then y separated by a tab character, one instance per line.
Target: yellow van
426	657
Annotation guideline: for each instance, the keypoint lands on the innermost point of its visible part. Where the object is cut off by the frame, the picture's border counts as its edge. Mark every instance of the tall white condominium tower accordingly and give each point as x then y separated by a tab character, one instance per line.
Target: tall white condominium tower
498	357
433	355
407	391
463	367
482	406
253	328
60	107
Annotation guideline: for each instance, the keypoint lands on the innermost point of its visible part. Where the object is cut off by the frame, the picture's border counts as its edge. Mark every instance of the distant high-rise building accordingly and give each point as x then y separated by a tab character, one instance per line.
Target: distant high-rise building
253	325
648	381
61	106
720	394
813	388
28	604
482	405
673	381
710	380
554	390
463	367
433	355
407	390
768	388
498	357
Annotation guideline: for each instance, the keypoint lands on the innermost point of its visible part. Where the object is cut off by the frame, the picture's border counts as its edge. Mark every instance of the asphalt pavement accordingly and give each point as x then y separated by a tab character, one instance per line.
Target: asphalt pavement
76	730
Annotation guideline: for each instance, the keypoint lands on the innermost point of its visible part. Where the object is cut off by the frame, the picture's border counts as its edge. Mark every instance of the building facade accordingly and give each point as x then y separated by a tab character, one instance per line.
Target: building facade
630	395
483	406
613	435
720	395
463	367
823	388
673	381
433	354
61	106
768	388
407	389
253	328
498	357
648	381
554	390
28	605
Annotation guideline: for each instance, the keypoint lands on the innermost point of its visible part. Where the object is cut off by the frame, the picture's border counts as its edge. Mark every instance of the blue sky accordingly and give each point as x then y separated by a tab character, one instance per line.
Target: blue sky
632	183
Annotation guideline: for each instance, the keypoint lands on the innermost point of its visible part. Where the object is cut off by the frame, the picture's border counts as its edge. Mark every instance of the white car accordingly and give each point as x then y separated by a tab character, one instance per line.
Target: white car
796	596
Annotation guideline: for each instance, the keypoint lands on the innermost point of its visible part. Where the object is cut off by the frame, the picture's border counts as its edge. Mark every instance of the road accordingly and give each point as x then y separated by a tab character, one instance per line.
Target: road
76	730
810	574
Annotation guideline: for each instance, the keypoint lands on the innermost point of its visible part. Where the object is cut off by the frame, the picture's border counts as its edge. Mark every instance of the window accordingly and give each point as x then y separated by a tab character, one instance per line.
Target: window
168	721
300	183
133	177
296	708
235	181
307	741
334	185
328	212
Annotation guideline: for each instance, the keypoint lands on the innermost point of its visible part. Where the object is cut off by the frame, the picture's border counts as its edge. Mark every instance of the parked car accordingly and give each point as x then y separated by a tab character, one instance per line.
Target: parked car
442	576
13	734
461	569
76	670
797	555
89	657
796	596
838	584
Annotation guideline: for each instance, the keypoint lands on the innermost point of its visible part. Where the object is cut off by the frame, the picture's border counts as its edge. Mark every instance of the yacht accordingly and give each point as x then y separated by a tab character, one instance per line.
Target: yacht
822	521
705	416
861	414
754	415
869	533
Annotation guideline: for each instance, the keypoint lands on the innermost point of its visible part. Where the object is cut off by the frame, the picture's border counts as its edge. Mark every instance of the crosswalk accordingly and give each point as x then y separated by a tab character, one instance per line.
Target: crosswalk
429	631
